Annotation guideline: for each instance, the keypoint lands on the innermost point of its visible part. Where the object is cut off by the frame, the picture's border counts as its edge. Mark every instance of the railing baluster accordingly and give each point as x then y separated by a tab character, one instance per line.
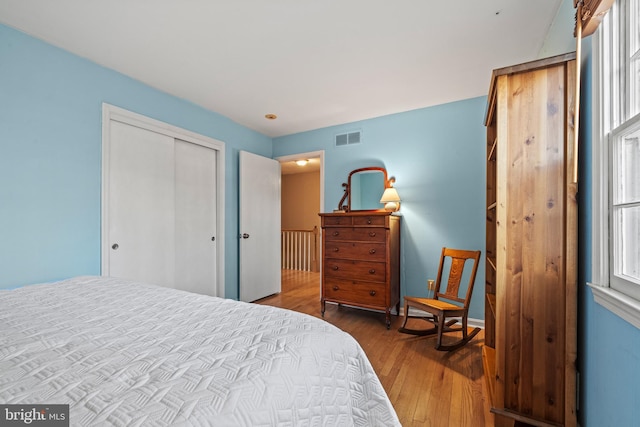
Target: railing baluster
299	249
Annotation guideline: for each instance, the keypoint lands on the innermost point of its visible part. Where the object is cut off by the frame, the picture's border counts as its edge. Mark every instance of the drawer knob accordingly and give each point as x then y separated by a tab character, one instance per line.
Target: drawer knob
335	268
372	271
368	220
335	288
336	249
372	234
372	251
372	293
336	233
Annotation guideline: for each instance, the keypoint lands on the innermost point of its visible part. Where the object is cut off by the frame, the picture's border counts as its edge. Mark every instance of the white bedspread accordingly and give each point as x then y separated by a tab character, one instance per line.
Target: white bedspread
128	354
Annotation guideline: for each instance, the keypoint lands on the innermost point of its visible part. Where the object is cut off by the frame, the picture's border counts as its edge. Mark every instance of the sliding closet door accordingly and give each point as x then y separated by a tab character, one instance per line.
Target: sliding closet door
195	218
141	205
161	209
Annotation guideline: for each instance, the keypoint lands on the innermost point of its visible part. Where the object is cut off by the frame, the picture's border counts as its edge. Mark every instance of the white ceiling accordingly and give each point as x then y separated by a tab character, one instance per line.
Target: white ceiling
314	63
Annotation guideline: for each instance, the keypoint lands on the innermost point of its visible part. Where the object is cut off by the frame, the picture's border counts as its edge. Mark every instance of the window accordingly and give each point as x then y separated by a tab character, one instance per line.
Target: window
625	210
616	156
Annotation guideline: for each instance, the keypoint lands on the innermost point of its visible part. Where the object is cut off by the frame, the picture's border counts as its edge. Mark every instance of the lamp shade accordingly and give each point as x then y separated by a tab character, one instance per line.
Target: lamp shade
391	199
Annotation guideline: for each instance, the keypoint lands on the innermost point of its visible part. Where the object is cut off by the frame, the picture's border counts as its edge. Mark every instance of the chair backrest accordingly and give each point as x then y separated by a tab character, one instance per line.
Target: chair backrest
459	259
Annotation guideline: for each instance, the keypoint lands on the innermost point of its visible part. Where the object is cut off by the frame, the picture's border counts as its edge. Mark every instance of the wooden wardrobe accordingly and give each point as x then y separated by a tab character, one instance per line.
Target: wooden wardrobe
531	272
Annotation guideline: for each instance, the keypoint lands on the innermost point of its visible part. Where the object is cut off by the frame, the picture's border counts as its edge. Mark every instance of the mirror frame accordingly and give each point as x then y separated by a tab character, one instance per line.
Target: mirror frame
347	187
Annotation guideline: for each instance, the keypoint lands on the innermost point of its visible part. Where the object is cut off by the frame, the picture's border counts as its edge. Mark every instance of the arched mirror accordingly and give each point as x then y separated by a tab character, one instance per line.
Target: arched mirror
364	189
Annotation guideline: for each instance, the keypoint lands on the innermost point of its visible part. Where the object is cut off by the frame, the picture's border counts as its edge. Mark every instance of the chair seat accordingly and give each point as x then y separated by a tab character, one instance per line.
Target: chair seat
435	303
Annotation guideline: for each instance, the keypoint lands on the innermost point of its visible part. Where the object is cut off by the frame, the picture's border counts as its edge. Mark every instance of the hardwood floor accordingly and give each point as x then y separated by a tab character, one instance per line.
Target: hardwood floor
425	386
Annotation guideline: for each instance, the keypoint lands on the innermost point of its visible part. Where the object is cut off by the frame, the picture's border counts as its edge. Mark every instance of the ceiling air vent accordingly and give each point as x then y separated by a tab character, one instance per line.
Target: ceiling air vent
348	138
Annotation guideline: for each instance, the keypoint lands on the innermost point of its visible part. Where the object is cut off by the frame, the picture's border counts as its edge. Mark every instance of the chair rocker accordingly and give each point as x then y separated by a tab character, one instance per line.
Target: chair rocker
438	310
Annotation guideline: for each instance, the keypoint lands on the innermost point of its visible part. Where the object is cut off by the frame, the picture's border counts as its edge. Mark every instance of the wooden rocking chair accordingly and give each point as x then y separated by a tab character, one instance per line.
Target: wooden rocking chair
439	310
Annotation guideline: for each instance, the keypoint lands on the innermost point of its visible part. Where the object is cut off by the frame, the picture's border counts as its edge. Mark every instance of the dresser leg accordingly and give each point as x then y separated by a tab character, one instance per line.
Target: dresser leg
388	315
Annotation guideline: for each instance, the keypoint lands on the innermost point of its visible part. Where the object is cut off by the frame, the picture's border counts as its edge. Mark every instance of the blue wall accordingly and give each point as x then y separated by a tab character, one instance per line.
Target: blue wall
50	158
608	346
437	155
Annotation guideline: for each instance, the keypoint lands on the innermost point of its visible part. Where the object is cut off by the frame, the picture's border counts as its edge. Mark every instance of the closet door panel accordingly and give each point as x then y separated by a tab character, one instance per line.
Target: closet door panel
141	205
195	218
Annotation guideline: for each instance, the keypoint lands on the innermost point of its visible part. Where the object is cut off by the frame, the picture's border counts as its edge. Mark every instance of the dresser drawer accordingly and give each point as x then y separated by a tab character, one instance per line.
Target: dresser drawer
358	234
363	293
370	220
336	220
365	251
346	269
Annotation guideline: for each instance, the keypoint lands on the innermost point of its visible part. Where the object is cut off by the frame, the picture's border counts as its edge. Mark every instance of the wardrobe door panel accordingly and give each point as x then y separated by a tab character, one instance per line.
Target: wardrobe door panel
195	218
141	205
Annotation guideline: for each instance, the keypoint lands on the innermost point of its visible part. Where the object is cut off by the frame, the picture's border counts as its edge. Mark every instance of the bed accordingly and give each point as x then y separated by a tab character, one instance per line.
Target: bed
129	354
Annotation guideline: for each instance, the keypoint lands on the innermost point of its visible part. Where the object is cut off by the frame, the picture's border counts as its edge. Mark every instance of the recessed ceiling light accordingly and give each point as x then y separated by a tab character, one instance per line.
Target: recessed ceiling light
270	116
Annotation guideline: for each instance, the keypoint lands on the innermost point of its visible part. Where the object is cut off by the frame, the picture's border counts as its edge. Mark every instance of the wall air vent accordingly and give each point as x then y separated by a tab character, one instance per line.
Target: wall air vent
348	138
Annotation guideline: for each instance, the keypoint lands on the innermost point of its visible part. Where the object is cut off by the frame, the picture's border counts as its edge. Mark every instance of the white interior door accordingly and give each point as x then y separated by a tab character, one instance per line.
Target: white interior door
259	227
195	224
141	205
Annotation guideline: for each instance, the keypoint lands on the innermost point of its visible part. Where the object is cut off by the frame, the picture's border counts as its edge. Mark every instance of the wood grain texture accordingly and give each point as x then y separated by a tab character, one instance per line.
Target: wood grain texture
501	241
361	259
535	243
426	387
571	256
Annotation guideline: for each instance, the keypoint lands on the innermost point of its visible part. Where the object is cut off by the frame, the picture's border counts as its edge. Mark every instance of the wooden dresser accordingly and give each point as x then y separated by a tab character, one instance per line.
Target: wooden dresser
361	260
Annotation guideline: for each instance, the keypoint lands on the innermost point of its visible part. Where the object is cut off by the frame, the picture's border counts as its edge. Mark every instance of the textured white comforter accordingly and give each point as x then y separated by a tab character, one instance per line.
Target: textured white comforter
128	354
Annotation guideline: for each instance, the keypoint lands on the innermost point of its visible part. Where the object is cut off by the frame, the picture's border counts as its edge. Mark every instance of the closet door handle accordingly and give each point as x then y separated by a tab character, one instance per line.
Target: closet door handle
115	246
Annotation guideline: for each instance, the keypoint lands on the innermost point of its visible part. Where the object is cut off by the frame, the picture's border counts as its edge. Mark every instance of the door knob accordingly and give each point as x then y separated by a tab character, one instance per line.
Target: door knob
115	246
213	238
245	235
